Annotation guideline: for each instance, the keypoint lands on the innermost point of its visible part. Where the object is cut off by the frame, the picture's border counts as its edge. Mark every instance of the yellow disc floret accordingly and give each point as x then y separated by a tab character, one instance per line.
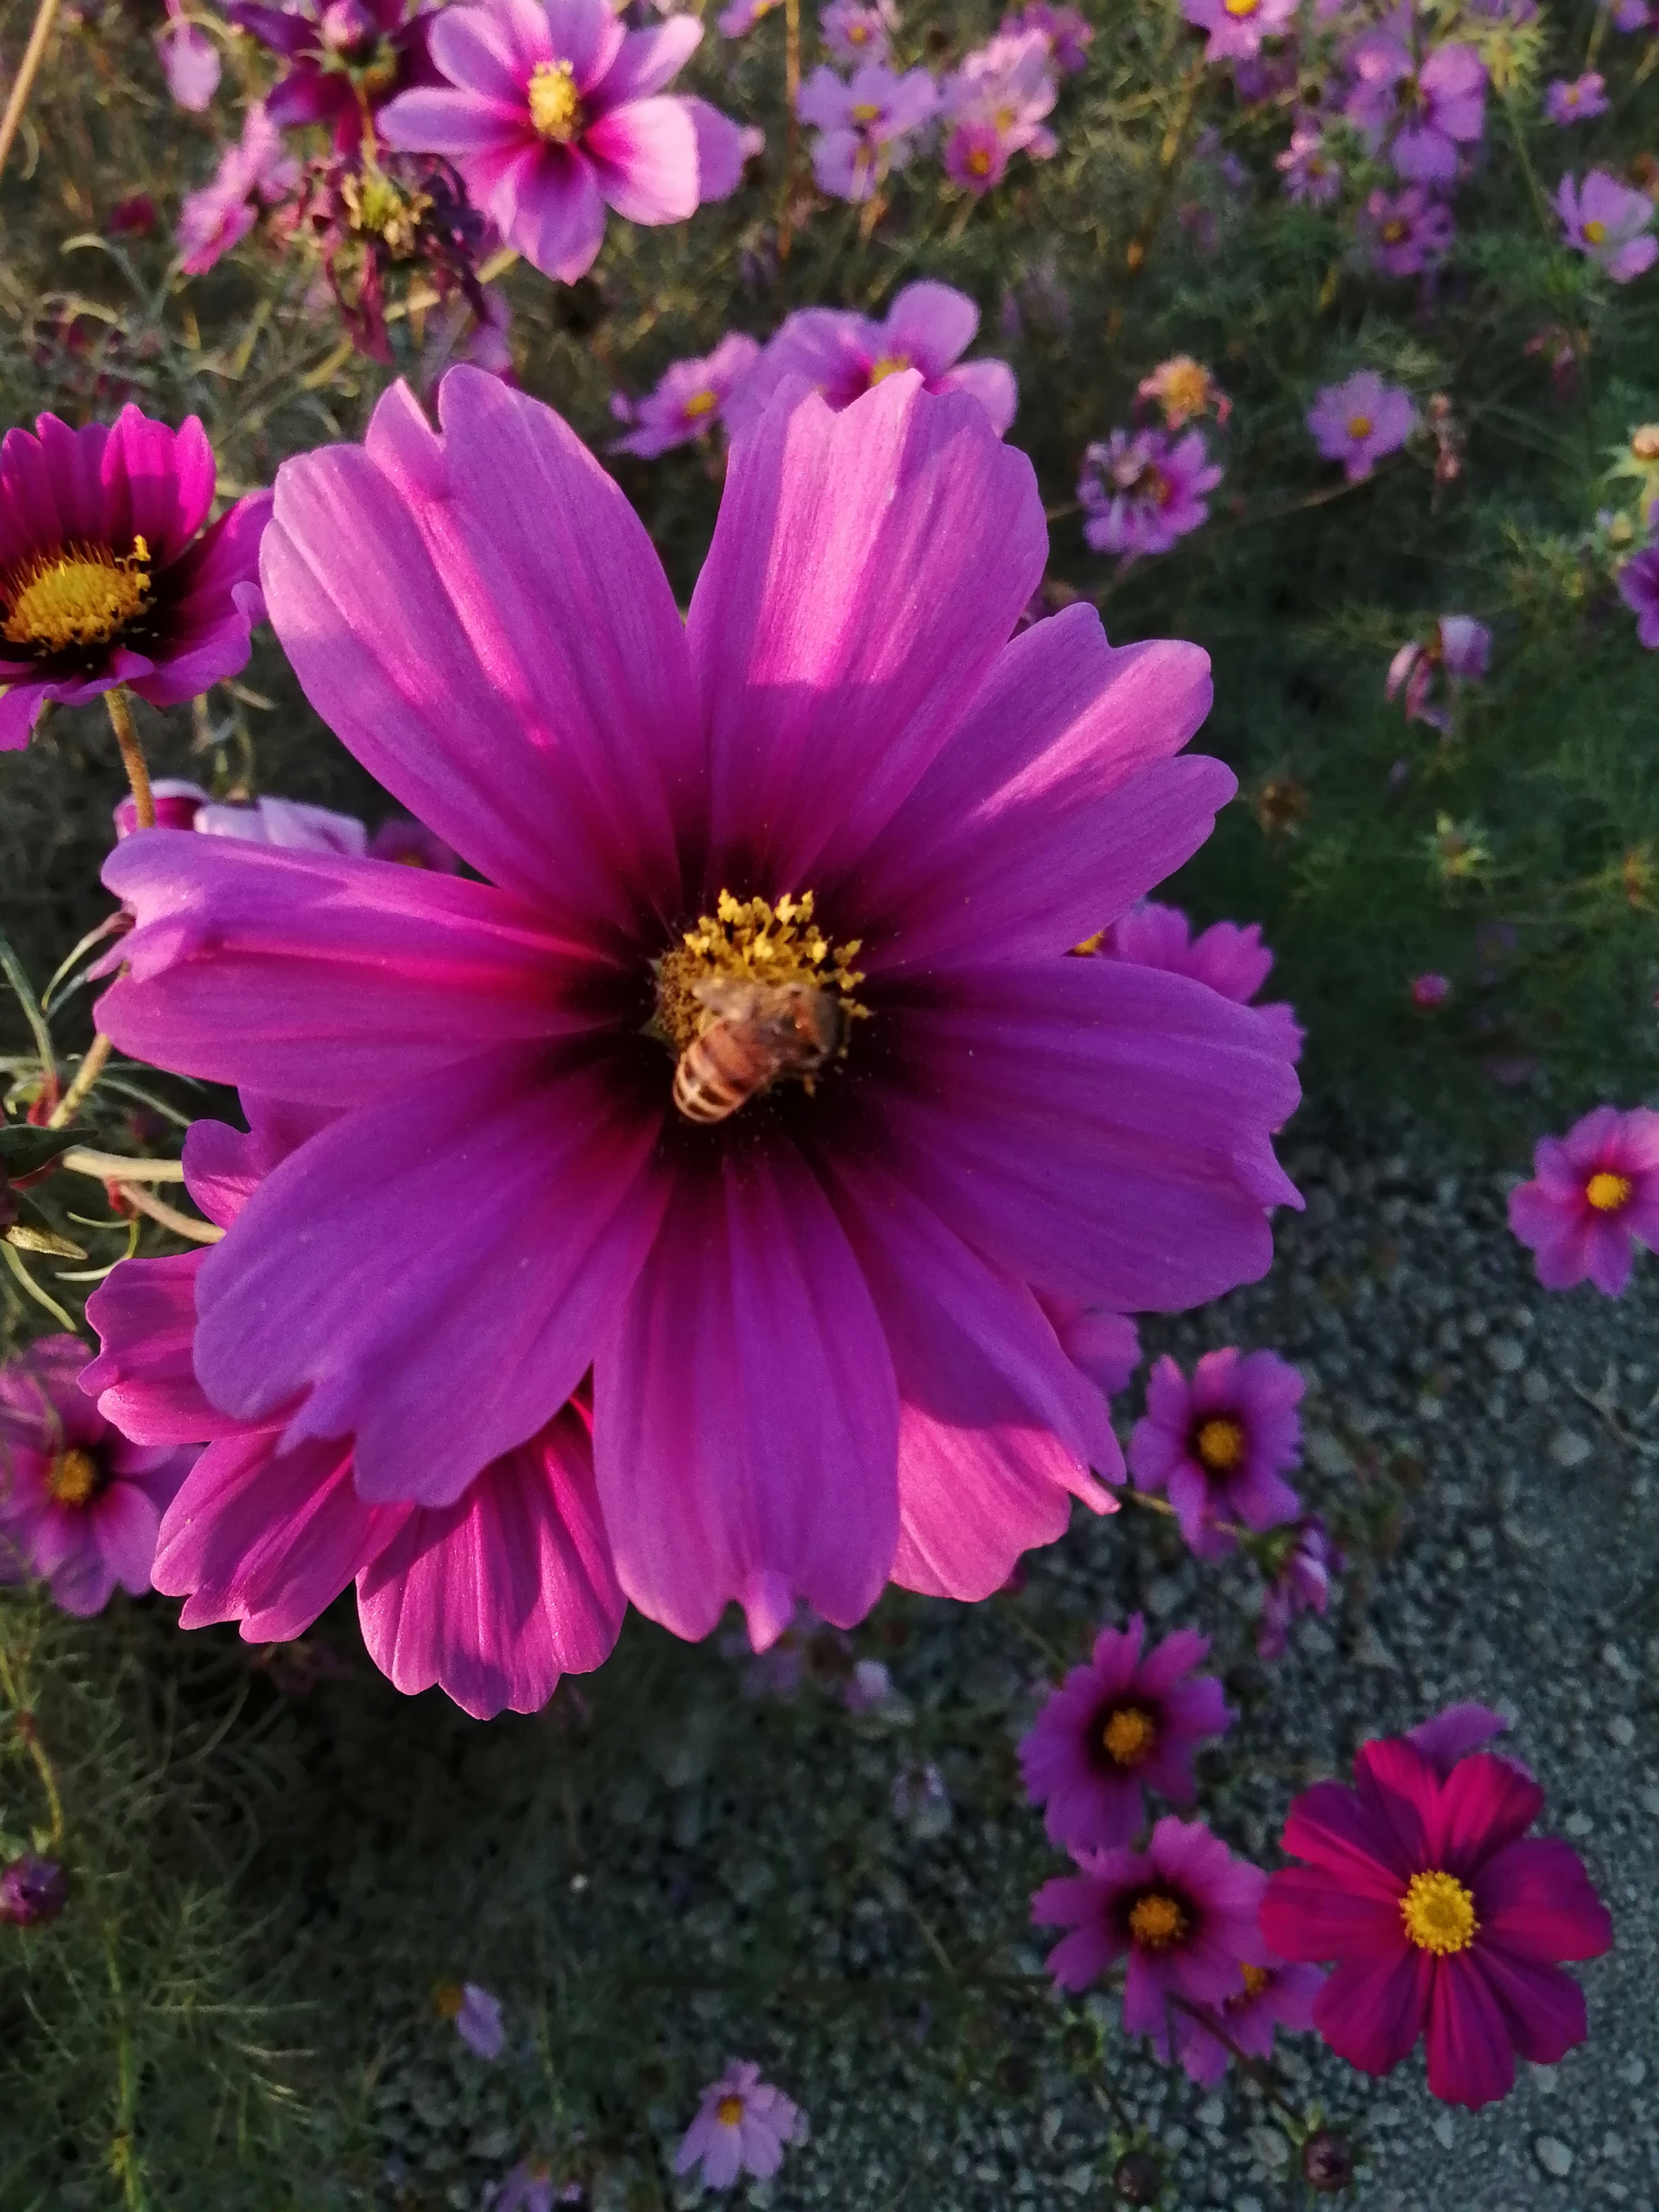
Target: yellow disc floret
1129	1736
1156	1921
76	595
729	2111
1607	1192
1220	1445
73	1477
555	106
1439	1913
699	404
889	365
1360	425
750	941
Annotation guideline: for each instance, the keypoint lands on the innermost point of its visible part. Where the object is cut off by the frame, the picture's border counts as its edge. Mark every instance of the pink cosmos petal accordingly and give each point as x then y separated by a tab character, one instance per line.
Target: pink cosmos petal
267	1537
1146	1990
144	1379
122	1521
1329	1827
1486	1802
723	147
440	119
1040	1114
932	326
1400	1789
646	61
1543	2009
1471	2058
585	33
1535	1903
1372	2010
491	51
496	1596
534	594
1106	1347
992	383
834	667
223	1166
746	1415
644	160
318	976
517	1157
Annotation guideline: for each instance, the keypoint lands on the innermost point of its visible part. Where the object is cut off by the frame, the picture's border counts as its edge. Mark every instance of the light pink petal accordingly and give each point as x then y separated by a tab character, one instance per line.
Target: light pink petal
432	1273
722	149
144	1379
865	569
646	61
496	1596
437	119
492	49
745	1416
122	1521
644	160
993	382
931	325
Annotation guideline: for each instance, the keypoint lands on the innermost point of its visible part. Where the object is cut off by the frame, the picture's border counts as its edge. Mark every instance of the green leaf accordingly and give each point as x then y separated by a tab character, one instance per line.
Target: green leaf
24	1150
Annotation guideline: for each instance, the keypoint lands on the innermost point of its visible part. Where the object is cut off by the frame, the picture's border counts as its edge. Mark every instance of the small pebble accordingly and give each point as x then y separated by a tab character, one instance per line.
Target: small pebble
1554	2155
1649	1801
1579	1824
1568	1448
1211	2113
1621	1730
1444	2130
1534	1387
1633	2072
1506	1355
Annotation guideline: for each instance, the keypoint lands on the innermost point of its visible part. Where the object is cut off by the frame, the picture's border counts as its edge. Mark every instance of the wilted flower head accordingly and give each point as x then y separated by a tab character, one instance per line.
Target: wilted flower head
1302	1584
1358	421
1577	102
33	1890
858	30
1327	2162
1218	1446
1237	28
929	327
346	58
552	111
1184	389
190	60
692	399
1311	172
1457	648
1594	1196
1441	1916
742	2126
1407	231
1610	222
867	123
1142	491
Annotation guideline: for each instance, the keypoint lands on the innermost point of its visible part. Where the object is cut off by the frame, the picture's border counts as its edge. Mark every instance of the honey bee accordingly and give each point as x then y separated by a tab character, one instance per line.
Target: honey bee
753	1035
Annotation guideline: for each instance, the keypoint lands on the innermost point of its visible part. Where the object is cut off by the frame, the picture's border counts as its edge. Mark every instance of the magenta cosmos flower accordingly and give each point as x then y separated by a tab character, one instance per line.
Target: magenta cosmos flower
1638	587
552	111
867	125
742	2126
1237	28
1610	222
346	59
1230	959
1358	421
492	1597
1184	1909
1142	491
1277	1995
1594	1194
1217	1446
1117	1728
692	397
817	1356
104	579
79	1504
928	328
1442	1915
1407	231
1578	100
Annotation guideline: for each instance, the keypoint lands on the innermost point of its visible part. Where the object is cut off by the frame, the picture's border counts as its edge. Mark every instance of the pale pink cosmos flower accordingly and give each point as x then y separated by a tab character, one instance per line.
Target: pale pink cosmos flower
258	169
1594	1196
1575	101
190	60
552	111
80	1504
692	399
742	2126
1228	957
841	354
867	124
1237	28
1360	422
818	1358
1610	222
1069	34
855	32
177	803
284	821
1141	491
1311	172
1217	1447
996	101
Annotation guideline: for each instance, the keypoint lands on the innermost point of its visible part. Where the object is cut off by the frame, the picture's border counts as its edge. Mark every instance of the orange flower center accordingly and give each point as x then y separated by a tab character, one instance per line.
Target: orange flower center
1607	1192
890	364
556	107
1359	426
1596	231
1220	1445
1439	1913
73	1478
1129	1736
701	404
729	2111
1156	1921
79	595
1394	230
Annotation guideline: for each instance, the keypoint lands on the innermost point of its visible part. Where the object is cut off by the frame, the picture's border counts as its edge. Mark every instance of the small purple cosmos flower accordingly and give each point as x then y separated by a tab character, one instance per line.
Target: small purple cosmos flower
867	124
476	2016
742	2126
853	31
258	169
1311	172
1237	28
79	1504
1429	992
190	60
1276	1995
1407	231
1638	587
691	398
104	579
1458	647
1142	491
1432	111
1117	1728
1230	959
33	1890
1610	222
928	328
1302	1584
1184	1910
346	58
1069	35
1630	16
1358	421
1594	1194
1578	100
1217	1446
552	111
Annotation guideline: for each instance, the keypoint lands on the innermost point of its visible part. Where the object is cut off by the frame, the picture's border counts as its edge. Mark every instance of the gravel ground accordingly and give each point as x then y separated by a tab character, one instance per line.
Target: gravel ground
868	1944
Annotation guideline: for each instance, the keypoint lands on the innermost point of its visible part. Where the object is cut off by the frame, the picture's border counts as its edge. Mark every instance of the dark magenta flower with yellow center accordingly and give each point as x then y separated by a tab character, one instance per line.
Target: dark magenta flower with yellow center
1442	1917
106	576
1594	1197
1217	1447
755	1078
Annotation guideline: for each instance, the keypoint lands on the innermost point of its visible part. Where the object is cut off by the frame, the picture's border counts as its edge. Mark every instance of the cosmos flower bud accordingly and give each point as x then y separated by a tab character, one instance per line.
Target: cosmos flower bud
1138	2177
1327	2162
32	1890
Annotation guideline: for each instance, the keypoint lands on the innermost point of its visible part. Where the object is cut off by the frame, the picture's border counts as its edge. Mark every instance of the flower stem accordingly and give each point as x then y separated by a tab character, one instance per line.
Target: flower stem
37	1750
26	70
132	754
87	1074
792	128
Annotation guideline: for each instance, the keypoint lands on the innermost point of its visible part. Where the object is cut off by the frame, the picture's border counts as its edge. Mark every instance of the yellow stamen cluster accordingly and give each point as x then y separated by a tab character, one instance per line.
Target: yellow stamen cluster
1439	1913
1156	1921
1220	1445
1360	425
701	404
1596	232
1184	388
866	111
73	1477
729	2111
1607	1192
1129	1736
555	106
1241	8
749	941
77	595
889	365
1257	1979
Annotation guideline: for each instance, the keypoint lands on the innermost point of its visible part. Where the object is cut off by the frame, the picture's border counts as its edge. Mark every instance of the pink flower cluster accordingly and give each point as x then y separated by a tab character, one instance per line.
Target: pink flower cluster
994	105
868	125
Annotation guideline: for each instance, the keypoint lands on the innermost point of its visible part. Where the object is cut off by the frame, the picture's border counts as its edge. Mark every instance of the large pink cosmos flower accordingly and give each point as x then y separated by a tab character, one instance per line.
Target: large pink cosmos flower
1228	957
929	327
79	1504
815	1359
1185	1911
1218	1446
1117	1728
103	577
1595	1195
553	111
492	1596
1442	1916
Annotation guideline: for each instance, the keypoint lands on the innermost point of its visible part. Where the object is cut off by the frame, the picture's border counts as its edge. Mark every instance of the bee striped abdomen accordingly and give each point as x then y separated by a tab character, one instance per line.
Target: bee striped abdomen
718	1072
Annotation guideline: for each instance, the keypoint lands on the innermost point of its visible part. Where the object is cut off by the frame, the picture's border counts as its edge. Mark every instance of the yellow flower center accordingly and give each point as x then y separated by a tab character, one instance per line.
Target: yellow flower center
866	111
1596	231
1186	387
556	107
1394	230
1129	1735
701	404
449	2000
980	162
857	33
1607	1192
1156	1921
1220	1444
1359	426
1439	1913
890	364
729	2111
1644	442
79	595
1241	7
73	1478
1257	1979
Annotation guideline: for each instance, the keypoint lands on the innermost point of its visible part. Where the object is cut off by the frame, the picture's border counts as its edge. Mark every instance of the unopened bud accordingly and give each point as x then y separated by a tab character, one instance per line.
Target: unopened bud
32	1890
1138	2177
1327	2162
